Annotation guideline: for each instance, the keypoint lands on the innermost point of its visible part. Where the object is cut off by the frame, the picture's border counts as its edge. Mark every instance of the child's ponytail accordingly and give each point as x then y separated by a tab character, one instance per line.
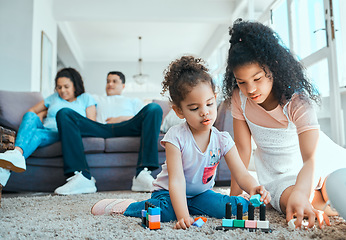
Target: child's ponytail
183	74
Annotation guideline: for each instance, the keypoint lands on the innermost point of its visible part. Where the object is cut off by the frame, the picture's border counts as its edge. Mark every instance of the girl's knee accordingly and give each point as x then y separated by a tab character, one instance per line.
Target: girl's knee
29	115
31	119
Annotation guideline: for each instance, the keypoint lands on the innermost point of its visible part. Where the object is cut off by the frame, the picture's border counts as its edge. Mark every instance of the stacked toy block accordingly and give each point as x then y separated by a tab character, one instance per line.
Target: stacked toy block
151	216
246	222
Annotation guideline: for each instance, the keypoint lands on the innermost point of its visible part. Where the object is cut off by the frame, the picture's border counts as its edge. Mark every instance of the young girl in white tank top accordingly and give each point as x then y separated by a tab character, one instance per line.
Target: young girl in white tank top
272	102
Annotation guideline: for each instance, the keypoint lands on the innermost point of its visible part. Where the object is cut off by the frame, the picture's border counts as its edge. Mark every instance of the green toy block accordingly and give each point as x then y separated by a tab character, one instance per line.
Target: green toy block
238	223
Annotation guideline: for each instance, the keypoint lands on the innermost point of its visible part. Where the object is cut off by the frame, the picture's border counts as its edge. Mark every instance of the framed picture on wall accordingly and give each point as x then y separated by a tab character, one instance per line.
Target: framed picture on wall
47	82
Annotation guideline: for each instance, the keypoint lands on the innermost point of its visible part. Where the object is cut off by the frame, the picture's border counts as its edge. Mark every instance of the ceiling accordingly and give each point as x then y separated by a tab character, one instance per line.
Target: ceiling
108	30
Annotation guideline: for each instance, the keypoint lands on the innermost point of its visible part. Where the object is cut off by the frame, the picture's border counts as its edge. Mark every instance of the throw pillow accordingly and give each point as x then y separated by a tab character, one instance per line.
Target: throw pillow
170	120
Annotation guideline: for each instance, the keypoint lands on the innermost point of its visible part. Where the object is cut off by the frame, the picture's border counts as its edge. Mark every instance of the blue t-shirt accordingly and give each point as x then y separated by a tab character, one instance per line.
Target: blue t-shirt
54	103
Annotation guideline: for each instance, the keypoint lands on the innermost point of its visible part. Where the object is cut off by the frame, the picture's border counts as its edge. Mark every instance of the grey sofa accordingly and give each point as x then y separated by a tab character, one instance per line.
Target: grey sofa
112	161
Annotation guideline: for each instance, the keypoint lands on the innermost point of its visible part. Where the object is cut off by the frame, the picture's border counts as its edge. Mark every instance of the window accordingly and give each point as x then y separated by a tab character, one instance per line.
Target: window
309	27
305	26
280	22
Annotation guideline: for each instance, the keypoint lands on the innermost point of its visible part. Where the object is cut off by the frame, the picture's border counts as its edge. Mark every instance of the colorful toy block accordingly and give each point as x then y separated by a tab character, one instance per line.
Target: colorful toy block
203	218
198	223
154	211
238	223
151	216
255	200
263	224
251	224
292	225
227	222
154	218
154	225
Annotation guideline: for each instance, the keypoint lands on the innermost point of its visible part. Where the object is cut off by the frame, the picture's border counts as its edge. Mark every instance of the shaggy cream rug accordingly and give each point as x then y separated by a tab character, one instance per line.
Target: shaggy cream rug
46	216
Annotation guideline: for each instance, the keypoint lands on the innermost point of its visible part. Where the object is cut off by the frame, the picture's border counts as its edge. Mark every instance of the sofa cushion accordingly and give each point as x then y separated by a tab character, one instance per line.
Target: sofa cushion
165	105
126	144
91	145
13	105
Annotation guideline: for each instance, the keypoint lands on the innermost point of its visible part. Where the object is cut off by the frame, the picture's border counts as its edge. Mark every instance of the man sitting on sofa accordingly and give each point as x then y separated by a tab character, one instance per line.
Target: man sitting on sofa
117	116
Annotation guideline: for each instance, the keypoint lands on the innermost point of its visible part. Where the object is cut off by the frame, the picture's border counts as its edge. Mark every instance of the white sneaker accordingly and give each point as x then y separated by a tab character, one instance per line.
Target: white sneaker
143	182
4	176
77	184
13	160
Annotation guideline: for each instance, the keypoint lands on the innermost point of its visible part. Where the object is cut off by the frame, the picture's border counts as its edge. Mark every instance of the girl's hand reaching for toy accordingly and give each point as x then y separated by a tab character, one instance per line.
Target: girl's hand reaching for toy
184	223
265	195
300	206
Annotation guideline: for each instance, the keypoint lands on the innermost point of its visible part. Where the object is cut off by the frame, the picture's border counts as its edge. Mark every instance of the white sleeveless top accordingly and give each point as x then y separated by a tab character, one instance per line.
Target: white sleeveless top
278	158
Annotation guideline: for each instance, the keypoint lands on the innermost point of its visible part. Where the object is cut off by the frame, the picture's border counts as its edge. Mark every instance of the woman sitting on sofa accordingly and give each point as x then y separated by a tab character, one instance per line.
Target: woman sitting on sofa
39	128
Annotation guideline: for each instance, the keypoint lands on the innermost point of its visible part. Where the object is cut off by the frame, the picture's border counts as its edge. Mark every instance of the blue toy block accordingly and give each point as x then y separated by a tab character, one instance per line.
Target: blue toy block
255	200
144	213
154	211
198	223
227	222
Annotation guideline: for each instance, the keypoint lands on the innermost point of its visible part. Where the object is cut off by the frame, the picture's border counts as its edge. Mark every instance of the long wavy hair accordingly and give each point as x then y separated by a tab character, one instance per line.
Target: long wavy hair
253	42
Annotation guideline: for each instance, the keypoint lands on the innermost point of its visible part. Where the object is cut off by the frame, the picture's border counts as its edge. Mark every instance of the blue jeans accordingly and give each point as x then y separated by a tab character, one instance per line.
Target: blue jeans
72	127
32	134
208	203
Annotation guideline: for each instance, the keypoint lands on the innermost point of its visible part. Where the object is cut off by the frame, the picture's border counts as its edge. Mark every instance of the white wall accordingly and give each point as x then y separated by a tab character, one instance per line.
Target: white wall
21	23
65	54
95	74
16	24
43	21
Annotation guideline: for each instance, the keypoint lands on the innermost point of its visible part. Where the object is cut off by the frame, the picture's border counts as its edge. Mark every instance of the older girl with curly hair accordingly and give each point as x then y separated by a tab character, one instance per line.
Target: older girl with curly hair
272	101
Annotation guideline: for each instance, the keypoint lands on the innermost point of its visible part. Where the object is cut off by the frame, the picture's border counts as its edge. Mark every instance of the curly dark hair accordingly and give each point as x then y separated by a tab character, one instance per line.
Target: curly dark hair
182	75
253	42
75	78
